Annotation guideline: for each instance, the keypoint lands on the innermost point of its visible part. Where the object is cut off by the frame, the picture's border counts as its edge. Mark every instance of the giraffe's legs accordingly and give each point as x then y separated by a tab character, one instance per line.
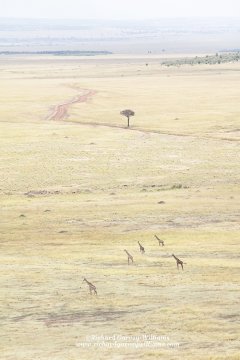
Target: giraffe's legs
130	259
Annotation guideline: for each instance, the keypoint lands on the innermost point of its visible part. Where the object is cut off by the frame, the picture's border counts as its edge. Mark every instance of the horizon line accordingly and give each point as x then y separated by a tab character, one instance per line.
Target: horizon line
121	19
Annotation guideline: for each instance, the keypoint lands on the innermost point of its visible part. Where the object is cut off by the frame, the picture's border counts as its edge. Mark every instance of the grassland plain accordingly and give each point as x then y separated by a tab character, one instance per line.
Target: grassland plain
75	193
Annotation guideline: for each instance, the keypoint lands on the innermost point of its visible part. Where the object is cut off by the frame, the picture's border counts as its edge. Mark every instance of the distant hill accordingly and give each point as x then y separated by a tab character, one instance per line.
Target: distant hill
181	35
57	53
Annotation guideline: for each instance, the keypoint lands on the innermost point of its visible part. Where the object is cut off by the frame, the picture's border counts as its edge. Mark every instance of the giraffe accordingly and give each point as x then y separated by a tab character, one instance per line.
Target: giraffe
179	262
159	240
142	250
91	287
129	256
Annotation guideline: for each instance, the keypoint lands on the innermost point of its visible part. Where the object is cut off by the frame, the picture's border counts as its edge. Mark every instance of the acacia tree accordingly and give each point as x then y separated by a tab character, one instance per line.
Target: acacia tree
128	114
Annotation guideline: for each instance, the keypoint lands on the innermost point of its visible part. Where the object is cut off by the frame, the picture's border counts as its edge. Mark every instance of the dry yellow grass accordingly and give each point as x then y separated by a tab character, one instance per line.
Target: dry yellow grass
75	194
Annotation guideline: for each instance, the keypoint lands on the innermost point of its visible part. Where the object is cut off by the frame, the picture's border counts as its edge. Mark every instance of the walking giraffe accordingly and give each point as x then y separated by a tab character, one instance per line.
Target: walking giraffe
179	262
91	287
130	258
142	250
161	242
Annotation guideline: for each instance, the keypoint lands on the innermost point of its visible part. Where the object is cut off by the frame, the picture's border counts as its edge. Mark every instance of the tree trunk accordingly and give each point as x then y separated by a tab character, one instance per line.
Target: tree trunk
128	121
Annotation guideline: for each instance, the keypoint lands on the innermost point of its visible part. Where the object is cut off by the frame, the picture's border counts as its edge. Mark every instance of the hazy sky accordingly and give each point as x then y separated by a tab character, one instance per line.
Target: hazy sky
118	9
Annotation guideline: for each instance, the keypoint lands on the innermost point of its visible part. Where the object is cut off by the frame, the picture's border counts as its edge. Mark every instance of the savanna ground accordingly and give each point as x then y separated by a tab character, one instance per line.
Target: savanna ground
74	195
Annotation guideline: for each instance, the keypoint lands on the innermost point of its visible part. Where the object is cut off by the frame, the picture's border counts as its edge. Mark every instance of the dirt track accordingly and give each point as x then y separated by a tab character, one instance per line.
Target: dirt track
60	111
